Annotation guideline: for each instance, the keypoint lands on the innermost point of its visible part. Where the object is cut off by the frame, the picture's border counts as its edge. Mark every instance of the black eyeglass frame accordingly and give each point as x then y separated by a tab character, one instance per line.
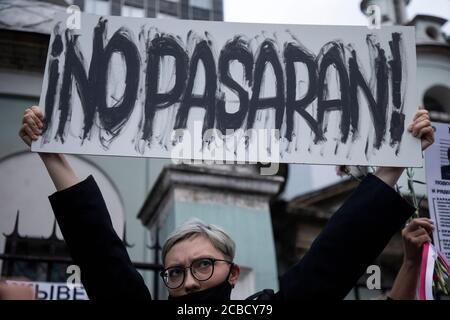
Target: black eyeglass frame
213	260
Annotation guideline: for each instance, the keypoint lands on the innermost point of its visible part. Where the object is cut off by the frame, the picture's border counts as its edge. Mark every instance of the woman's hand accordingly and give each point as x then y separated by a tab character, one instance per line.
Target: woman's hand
57	166
32	124
421	128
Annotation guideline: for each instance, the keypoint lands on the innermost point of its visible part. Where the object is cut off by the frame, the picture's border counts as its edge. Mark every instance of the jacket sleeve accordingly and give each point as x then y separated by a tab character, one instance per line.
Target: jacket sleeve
352	239
106	269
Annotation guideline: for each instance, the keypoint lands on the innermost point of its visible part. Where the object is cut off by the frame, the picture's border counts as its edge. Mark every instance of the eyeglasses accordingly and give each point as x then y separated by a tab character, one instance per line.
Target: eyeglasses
201	269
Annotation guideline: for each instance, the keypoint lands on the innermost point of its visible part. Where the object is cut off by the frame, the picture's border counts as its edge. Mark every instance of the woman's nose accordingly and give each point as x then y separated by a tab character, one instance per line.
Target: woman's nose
190	283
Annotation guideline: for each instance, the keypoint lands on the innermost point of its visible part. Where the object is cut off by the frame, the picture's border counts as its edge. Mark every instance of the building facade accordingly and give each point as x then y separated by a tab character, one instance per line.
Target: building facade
179	9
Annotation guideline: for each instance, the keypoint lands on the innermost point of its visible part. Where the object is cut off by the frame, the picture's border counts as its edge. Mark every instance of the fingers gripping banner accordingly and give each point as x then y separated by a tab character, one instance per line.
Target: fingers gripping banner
230	91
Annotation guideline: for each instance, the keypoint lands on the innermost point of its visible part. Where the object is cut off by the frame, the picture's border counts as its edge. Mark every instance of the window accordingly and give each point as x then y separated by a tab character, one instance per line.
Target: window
130	11
432	32
100	7
169	9
204	4
165	16
437	100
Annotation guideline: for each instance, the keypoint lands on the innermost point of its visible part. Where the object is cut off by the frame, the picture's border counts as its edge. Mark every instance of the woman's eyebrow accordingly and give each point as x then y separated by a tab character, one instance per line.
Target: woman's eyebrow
175	264
208	256
199	257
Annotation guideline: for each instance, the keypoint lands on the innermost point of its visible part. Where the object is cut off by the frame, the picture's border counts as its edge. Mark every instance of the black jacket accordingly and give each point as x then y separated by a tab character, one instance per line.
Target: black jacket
352	239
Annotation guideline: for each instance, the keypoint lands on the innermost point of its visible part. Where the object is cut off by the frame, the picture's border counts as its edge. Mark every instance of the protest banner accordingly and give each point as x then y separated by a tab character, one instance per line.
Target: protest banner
230	91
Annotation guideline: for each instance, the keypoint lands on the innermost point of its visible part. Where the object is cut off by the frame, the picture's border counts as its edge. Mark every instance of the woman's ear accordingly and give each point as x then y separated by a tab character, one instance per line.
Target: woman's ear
234	274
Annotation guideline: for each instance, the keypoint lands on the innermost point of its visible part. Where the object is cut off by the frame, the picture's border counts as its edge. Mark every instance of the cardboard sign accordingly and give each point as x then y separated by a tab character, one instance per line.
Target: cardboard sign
230	91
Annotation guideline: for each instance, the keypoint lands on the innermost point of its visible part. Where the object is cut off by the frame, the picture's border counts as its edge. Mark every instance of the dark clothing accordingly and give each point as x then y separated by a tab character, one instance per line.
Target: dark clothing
353	238
106	269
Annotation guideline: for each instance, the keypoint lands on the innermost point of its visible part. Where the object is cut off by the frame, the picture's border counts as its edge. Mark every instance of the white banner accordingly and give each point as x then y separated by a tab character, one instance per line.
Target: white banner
227	92
437	164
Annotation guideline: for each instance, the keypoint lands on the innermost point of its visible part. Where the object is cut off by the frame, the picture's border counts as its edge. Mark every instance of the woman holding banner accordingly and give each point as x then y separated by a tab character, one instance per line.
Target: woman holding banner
354	236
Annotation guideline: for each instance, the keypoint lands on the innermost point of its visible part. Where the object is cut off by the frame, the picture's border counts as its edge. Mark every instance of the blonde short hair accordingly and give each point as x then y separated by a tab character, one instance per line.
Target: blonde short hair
218	237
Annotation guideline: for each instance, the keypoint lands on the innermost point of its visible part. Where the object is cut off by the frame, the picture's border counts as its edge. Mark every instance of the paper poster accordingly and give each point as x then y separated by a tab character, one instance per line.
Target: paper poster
437	165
